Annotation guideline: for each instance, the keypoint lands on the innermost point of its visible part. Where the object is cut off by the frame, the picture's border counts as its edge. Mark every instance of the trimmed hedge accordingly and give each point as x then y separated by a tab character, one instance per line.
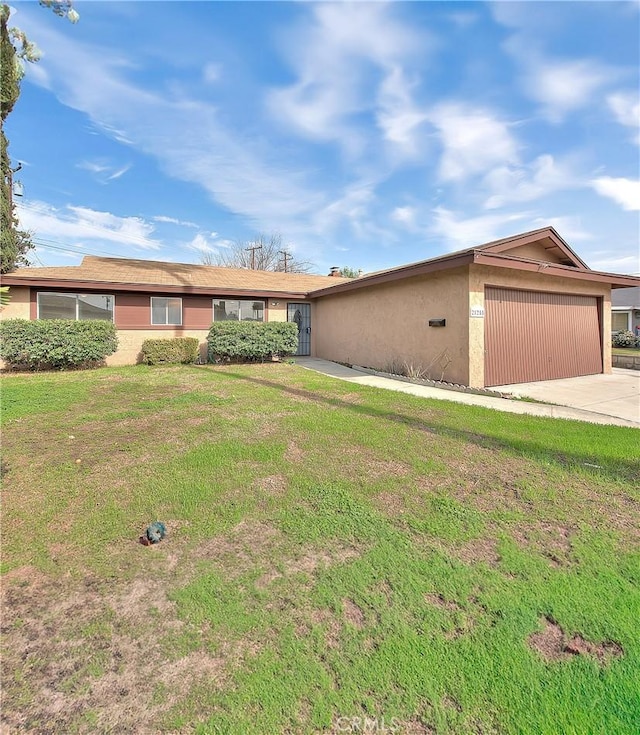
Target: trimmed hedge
176	351
56	343
251	341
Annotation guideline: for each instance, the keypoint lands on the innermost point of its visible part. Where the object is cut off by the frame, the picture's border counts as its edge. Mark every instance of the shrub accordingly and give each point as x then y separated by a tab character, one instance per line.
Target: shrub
180	350
625	339
56	343
251	340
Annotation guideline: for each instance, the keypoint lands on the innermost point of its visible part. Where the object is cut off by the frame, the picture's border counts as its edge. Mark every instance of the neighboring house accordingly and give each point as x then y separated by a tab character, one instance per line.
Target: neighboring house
519	309
625	310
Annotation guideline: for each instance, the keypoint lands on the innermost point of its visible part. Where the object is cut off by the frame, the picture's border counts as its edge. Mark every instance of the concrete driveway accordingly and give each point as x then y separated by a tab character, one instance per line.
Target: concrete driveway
617	394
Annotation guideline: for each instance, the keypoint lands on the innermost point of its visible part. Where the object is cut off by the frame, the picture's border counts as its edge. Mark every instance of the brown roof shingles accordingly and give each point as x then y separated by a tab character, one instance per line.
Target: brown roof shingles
158	273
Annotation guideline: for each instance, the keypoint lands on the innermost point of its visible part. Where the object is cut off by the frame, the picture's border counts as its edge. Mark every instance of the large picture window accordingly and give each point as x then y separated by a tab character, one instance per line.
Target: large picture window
166	310
78	306
238	311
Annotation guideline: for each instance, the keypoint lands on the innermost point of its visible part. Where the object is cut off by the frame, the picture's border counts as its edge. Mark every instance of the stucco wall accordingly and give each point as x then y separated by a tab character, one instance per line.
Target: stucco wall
19	304
388	324
481	276
130	342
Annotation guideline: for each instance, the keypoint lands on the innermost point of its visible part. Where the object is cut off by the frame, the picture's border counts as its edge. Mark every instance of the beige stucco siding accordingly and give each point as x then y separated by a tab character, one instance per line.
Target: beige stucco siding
19	304
388	325
130	342
481	276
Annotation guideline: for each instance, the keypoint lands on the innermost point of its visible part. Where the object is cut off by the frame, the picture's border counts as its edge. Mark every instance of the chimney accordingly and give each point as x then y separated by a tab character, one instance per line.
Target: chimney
334	271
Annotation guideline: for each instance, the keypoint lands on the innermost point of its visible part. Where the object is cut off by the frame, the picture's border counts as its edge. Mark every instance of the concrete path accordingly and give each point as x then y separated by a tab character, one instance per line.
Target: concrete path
617	394
619	399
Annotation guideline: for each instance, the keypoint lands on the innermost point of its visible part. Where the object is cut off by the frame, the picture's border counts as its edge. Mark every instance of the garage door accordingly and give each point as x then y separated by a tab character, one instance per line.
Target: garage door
531	335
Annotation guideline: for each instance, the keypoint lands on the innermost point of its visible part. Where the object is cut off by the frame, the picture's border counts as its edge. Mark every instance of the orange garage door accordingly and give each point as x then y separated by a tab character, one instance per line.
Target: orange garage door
533	335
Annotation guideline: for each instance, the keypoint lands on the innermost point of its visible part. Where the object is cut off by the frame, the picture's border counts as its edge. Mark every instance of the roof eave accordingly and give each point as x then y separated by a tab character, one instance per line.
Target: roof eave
407	271
535	236
149	287
616	280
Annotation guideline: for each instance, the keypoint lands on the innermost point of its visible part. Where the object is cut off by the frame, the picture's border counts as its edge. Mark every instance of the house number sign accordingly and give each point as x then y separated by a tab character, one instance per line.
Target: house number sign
477	311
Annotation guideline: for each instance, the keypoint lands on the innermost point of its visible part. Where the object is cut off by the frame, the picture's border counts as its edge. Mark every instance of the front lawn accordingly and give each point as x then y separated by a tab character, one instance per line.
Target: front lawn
625	351
338	557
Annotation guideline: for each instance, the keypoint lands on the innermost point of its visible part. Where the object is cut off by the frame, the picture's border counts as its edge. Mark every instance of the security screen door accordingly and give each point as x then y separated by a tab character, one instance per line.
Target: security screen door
301	315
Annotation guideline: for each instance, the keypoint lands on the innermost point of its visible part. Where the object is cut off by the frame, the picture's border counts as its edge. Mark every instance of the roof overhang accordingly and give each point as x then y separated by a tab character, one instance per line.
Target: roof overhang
479	257
615	280
113	286
546	237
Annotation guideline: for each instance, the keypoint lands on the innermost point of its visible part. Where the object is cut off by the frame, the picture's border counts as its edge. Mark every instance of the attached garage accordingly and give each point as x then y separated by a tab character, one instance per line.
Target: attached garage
522	309
536	335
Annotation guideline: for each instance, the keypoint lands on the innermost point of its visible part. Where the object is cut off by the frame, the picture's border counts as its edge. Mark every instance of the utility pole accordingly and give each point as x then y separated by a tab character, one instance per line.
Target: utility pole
253	255
285	257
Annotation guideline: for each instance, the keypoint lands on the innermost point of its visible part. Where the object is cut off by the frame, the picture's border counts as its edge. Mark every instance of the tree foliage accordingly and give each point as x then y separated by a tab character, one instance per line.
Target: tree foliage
15	49
348	272
261	254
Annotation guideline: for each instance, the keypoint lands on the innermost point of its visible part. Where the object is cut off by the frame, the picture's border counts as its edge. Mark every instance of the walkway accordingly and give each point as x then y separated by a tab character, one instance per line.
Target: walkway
630	396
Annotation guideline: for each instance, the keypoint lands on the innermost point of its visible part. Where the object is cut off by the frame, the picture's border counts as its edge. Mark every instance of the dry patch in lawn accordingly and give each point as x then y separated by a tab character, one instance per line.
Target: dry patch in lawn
482	550
554	645
353	613
550	539
77	652
309	563
293	453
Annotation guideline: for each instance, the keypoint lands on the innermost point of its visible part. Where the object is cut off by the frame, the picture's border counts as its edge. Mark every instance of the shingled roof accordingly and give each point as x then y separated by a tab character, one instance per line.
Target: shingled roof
129	274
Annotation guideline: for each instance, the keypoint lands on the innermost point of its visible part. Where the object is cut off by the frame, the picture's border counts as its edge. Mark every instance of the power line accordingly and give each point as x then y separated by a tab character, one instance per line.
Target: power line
68	249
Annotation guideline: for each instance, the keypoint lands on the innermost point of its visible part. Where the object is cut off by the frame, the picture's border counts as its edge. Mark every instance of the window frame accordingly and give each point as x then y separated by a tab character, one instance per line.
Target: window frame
240	302
166	322
629	315
77	297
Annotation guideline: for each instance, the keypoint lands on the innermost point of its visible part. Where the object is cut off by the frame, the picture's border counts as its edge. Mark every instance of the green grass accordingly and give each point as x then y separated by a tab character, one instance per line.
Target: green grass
625	351
334	553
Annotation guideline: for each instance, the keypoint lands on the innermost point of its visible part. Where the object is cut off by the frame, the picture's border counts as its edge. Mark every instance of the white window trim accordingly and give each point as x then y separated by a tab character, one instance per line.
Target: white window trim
623	310
240	301
76	294
166	322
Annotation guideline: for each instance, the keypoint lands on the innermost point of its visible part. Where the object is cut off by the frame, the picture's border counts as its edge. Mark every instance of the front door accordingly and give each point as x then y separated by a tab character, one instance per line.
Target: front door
301	315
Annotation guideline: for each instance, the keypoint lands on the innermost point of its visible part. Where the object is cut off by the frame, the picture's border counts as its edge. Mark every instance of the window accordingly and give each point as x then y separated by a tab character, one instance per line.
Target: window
165	310
78	306
620	321
238	311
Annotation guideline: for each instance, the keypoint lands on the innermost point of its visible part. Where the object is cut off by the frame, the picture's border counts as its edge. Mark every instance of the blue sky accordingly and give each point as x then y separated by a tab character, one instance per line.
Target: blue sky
367	134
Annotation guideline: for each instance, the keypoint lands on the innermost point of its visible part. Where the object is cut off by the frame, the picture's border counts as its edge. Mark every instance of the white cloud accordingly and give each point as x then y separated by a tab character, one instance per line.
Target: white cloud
474	140
73	225
186	136
625	192
459	232
626	109
173	221
333	56
569	227
211	73
202	244
564	86
104	171
605	261
405	216
543	176
355	207
398	115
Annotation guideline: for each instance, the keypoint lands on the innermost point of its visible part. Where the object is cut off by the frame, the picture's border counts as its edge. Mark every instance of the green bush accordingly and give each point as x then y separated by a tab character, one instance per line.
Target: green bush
56	343
625	339
251	341
180	350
